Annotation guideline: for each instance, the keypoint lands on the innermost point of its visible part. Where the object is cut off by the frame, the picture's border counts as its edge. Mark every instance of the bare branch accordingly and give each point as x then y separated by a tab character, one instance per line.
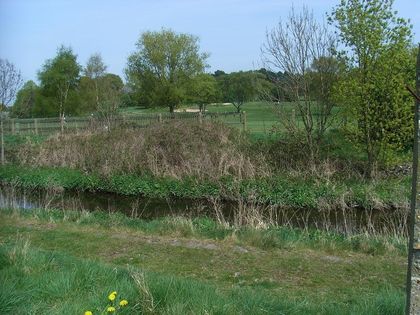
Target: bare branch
10	82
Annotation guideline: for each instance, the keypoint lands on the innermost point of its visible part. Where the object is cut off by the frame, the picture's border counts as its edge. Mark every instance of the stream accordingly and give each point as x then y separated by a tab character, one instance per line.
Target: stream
347	221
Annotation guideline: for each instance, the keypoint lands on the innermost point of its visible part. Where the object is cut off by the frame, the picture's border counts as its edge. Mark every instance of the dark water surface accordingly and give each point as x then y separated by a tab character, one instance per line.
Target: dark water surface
348	221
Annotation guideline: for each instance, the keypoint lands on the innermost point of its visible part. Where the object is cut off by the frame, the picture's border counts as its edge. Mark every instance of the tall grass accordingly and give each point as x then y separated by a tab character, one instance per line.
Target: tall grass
176	149
266	236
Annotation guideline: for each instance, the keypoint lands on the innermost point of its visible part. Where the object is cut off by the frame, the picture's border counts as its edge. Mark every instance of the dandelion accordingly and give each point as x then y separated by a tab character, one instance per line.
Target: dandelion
110	309
88	313
123	302
112	296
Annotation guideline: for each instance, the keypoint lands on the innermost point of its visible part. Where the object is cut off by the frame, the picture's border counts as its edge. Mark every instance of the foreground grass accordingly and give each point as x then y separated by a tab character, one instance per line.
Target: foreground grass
64	263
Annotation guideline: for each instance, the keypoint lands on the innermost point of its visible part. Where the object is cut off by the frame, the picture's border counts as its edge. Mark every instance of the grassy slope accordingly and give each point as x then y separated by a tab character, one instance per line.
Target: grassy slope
70	257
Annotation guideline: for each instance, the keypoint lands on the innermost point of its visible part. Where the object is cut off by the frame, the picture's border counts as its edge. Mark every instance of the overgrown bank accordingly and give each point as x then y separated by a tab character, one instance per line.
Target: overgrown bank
196	160
289	192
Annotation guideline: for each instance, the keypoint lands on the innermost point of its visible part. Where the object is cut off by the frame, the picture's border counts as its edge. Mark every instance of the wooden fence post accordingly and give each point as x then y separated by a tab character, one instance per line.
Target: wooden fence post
2	143
244	120
200	117
160	118
12	123
36	126
413	270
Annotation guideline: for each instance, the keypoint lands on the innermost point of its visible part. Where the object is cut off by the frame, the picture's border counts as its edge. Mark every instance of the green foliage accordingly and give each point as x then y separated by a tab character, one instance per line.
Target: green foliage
71	285
203	91
240	87
59	79
24	104
379	65
160	71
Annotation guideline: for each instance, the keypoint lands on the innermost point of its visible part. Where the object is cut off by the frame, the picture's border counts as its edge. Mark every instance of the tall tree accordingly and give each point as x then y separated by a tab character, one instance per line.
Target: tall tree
292	47
95	70
161	69
59	76
379	63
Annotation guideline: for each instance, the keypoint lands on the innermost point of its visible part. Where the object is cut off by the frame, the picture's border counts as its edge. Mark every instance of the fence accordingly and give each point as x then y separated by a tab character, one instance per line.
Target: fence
47	126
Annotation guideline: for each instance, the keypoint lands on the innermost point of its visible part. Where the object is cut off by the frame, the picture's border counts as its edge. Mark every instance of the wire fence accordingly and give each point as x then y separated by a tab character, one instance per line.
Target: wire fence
48	126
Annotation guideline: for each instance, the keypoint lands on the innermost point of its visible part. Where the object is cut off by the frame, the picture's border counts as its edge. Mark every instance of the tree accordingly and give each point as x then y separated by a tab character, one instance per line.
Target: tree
95	70
160	71
10	82
110	91
239	87
204	90
25	101
294	46
59	77
379	64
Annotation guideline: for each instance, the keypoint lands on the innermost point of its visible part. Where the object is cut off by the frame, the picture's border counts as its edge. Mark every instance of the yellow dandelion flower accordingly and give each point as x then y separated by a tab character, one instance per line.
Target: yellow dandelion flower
88	313
110	309
114	292
112	296
123	302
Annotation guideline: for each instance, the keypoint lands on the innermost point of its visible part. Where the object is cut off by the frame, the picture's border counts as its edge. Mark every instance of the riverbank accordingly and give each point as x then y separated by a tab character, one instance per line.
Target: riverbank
174	266
291	192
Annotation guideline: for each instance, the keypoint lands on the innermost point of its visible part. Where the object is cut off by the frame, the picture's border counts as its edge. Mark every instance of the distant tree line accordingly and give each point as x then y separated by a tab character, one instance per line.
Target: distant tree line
68	89
166	70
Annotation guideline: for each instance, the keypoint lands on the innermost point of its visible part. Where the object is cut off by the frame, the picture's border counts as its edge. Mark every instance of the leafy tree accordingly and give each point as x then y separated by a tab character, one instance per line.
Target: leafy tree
111	88
218	73
88	95
25	101
379	64
59	79
204	90
160	71
95	70
240	87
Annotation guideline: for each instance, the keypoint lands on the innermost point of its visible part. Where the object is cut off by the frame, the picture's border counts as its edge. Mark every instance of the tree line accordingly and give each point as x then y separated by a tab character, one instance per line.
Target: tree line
357	63
173	77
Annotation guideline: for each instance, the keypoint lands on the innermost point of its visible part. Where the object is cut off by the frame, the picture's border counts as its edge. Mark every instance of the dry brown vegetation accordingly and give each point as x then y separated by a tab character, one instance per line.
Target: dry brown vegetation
176	149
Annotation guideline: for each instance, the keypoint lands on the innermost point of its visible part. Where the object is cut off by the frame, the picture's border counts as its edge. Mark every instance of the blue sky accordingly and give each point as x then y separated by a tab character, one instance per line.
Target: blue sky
232	31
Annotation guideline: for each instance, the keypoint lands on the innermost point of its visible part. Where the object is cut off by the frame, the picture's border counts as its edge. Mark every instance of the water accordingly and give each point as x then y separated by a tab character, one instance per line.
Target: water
347	221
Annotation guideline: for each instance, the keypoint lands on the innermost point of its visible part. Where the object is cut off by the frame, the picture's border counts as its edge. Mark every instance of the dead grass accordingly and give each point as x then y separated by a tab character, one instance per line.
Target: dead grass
176	149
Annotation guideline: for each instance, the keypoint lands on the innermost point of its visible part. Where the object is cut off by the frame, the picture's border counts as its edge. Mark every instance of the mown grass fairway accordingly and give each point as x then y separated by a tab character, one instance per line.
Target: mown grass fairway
66	264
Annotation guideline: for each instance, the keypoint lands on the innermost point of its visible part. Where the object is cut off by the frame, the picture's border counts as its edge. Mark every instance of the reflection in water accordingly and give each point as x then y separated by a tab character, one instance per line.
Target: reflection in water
348	221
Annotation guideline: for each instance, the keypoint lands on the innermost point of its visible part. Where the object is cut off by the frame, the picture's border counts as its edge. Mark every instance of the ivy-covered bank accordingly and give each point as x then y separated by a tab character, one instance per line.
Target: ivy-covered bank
283	191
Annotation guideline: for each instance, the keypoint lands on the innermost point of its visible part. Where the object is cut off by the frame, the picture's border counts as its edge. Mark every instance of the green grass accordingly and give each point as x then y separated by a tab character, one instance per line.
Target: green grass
272	237
260	115
67	266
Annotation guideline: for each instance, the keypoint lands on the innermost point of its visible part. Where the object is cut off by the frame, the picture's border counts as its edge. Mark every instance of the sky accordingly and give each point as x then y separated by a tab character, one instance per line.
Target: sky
232	31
